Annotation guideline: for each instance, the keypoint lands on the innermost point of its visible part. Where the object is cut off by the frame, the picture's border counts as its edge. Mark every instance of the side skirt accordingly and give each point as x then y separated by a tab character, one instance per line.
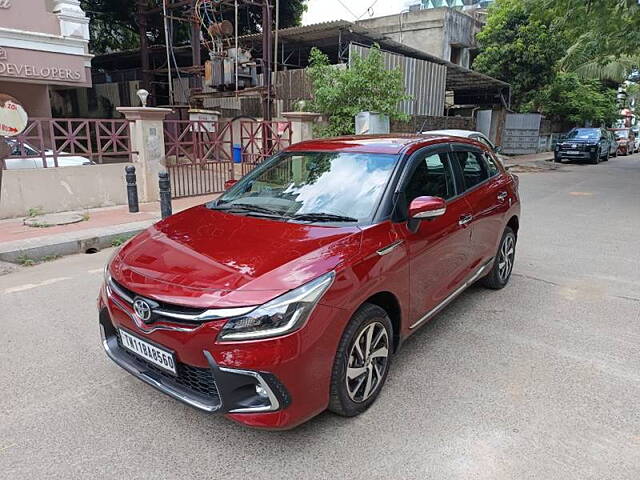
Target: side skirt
454	294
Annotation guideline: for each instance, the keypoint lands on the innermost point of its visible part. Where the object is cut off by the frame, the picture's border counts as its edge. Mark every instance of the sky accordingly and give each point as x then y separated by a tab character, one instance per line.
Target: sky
327	10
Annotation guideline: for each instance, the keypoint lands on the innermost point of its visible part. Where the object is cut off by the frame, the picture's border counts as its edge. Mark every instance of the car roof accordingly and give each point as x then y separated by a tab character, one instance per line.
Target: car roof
453	132
389	144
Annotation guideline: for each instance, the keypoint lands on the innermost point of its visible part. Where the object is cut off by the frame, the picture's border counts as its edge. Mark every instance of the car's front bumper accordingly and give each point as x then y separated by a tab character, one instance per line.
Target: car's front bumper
564	155
293	370
221	389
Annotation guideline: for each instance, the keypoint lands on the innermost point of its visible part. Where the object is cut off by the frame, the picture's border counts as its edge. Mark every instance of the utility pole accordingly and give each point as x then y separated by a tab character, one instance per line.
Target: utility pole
267	45
141	19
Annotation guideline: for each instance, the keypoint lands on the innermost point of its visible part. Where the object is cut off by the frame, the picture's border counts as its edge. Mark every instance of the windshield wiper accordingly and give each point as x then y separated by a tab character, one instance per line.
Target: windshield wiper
323	217
247	208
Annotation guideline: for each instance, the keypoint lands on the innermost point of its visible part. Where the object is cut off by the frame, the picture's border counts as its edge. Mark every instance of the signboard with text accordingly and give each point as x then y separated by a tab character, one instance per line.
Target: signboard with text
39	66
13	117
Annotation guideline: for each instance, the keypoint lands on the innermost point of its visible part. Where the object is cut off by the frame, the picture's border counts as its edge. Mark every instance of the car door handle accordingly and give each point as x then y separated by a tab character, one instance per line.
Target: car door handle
502	196
465	219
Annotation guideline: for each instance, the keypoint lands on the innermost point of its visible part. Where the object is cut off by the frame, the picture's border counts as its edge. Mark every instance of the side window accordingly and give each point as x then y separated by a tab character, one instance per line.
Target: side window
432	177
484	141
473	168
492	165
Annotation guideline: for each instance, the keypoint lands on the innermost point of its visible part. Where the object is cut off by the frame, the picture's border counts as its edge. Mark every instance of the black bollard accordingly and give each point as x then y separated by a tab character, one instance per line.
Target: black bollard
132	189
165	194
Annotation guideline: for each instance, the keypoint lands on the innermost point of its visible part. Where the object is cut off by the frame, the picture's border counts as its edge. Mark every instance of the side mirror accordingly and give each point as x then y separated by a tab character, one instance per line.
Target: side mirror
422	208
498	149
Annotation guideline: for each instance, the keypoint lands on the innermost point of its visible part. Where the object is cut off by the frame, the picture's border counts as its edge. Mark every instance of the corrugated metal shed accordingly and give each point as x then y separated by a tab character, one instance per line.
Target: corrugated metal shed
424	81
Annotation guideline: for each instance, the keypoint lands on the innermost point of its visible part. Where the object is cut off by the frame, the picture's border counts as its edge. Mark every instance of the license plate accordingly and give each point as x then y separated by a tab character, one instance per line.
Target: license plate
572	152
152	354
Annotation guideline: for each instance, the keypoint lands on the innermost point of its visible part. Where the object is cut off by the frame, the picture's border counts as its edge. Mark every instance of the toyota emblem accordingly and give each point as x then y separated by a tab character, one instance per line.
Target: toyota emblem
142	309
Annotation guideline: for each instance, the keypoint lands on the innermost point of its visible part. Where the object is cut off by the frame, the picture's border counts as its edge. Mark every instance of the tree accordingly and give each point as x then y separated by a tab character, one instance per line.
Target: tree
579	101
605	36
519	49
341	93
113	24
614	25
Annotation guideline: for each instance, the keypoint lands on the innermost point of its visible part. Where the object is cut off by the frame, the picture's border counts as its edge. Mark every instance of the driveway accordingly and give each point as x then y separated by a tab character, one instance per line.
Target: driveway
539	380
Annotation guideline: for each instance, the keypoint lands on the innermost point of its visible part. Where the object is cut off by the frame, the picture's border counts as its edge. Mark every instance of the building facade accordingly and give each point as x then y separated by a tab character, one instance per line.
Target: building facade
444	32
43	46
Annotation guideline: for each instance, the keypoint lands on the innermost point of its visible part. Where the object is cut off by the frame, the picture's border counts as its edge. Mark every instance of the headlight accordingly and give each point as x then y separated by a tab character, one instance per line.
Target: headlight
280	316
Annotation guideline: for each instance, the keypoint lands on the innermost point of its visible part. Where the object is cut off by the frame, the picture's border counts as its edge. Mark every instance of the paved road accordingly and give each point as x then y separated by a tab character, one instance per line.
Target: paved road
540	380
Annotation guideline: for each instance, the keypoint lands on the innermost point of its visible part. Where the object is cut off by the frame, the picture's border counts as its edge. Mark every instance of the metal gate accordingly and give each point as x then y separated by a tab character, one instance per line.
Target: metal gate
200	154
521	133
261	140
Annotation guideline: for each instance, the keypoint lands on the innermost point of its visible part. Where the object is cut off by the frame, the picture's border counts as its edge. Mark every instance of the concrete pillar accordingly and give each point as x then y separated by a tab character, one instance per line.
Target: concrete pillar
301	125
73	21
147	140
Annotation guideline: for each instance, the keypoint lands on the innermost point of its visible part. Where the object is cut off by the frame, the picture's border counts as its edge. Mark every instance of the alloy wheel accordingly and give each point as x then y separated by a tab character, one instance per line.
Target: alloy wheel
505	260
368	361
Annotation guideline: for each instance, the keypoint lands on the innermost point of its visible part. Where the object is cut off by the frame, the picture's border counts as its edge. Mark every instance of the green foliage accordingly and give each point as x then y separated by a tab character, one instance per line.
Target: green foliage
120	240
34	212
519	49
557	56
579	101
113	24
26	261
612	25
341	93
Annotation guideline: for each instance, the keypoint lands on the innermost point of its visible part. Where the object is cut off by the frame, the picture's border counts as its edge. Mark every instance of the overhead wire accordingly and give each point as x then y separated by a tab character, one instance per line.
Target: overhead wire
347	9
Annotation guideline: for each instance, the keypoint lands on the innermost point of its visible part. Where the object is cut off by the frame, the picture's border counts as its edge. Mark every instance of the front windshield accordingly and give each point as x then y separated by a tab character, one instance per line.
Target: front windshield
307	185
621	133
584	134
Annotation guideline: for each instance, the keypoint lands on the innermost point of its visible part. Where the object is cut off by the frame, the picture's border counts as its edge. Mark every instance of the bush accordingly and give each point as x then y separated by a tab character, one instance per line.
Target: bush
342	93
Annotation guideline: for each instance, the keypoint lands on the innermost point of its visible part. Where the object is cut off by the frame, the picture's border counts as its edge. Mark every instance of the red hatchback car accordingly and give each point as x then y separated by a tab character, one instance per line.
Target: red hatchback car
289	294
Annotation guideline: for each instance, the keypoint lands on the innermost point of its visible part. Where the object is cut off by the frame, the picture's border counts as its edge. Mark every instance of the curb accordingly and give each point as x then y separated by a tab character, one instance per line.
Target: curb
84	241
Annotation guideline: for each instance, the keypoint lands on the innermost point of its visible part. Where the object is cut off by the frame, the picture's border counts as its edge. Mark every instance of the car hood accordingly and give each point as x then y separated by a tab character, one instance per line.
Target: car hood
206	258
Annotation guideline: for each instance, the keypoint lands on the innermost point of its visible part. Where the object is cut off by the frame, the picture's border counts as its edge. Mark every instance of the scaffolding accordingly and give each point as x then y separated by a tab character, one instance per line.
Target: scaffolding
211	25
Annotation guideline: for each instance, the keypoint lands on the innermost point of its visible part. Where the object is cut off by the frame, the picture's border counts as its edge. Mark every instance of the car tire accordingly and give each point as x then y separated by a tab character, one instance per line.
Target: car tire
596	160
502	268
349	396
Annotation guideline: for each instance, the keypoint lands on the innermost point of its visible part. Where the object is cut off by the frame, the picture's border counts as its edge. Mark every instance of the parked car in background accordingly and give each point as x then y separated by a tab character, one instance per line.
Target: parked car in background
24	156
473	135
591	144
290	293
626	140
613	144
636	134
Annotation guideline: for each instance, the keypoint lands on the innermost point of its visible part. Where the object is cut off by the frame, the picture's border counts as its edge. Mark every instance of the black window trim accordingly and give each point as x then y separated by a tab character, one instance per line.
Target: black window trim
459	147
388	206
412	165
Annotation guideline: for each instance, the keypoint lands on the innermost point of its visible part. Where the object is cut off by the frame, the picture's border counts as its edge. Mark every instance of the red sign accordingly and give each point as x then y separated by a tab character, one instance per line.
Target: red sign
13	118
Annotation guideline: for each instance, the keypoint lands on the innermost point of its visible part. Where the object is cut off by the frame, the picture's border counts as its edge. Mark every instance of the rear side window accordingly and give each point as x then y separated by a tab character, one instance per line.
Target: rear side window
473	168
492	165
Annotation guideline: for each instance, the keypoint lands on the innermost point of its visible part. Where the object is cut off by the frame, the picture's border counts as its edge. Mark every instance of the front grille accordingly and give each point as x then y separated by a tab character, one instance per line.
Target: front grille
193	379
166	307
579	147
